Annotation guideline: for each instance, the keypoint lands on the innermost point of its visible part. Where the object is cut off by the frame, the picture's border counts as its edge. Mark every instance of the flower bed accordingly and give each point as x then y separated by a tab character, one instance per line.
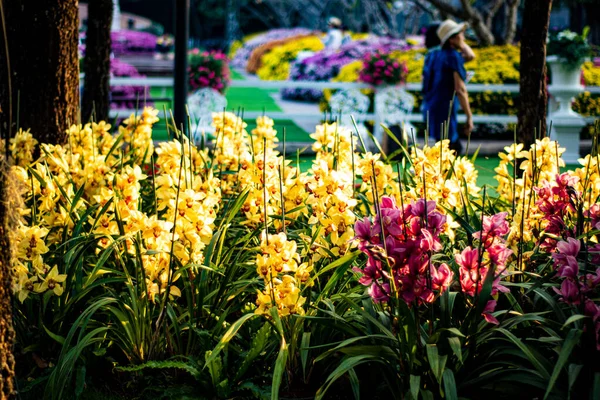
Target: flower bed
229	264
242	54
255	60
275	65
208	69
127	42
326	64
126	97
493	65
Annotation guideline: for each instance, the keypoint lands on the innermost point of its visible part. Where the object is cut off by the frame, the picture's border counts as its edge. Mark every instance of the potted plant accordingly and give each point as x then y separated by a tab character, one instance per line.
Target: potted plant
208	70
380	69
567	51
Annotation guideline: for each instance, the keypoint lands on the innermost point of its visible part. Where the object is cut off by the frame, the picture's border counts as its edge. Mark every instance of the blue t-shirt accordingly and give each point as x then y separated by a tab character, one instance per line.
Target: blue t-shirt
427	76
438	89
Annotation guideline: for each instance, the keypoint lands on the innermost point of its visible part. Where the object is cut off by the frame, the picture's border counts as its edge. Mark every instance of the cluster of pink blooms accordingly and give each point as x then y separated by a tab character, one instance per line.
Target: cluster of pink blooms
381	69
578	287
475	263
557	200
208	69
399	256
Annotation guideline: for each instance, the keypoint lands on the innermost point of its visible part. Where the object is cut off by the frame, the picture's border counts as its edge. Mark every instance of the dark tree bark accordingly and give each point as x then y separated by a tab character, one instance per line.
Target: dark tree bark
96	89
232	25
7	334
42	38
592	15
468	13
576	16
510	28
532	92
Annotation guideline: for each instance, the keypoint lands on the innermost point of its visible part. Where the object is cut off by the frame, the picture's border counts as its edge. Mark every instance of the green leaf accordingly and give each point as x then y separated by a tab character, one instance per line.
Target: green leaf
279	369
454	331
346	365
304	349
570	342
379	148
436	362
354	384
450	385
259	342
574	370
573	318
230	334
165	364
215	367
456	347
415	385
527	352
426	394
79	381
585	32
54	336
596	387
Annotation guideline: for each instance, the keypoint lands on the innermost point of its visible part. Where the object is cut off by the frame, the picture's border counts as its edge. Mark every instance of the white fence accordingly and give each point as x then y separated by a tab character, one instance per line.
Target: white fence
166	83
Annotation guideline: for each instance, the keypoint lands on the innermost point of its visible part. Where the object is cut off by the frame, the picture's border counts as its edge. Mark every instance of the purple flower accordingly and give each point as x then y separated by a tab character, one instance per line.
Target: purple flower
240	60
379	293
489	308
326	64
569	290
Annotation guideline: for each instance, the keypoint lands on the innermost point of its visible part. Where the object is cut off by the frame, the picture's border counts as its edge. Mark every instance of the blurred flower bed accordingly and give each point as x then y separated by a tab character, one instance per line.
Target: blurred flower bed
208	69
273	56
127	42
256	57
326	64
494	65
126	97
276	63
240	58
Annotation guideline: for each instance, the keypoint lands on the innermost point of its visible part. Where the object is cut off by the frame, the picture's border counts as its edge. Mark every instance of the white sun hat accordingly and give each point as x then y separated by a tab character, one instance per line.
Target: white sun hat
334	22
449	28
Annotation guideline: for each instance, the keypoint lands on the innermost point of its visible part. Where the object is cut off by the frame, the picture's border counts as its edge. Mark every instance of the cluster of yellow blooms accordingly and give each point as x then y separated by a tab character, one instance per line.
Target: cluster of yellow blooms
66	181
137	134
330	195
541	162
278	264
275	65
269	182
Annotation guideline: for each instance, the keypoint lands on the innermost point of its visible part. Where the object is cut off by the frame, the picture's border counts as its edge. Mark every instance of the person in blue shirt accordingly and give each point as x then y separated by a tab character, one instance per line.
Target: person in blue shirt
444	86
432	44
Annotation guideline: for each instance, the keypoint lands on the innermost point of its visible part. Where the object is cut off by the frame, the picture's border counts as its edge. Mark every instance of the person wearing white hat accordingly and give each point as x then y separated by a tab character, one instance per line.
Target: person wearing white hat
334	38
445	83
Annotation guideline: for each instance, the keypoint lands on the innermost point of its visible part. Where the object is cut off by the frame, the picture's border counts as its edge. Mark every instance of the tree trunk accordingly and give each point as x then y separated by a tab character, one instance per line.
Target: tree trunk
7	334
44	73
96	90
592	15
232	25
532	92
576	17
510	30
469	14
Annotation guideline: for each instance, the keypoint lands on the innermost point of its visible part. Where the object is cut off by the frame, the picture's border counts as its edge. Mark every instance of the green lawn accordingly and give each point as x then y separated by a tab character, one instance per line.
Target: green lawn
250	99
236	76
292	131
